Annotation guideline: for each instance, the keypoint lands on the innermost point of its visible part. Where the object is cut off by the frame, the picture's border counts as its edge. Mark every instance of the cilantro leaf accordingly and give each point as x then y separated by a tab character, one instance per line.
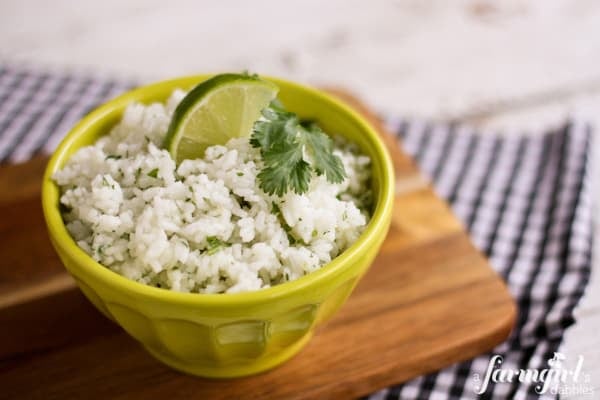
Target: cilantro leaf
214	245
320	147
153	173
283	141
269	131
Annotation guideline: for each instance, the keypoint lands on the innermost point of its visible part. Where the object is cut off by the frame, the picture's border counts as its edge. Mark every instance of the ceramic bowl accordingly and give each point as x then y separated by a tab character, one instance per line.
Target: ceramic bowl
225	335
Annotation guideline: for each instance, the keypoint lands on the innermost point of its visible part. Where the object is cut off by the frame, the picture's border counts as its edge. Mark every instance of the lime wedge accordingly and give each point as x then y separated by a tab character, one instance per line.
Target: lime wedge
218	109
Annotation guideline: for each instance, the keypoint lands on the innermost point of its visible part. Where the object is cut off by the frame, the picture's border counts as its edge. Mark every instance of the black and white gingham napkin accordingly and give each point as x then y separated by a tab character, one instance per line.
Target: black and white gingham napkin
38	108
527	204
525	200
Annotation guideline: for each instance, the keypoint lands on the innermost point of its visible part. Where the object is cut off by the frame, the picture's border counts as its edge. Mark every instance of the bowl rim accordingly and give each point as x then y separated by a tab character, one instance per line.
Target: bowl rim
62	239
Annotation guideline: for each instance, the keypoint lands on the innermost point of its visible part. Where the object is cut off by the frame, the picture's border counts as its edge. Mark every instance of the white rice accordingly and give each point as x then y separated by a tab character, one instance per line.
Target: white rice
203	226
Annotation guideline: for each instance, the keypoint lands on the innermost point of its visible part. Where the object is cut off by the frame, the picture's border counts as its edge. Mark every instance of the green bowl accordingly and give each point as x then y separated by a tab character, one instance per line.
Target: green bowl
225	335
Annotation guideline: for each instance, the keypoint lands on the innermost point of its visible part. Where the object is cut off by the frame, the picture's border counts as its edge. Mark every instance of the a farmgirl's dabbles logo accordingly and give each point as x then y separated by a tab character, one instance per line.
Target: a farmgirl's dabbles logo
555	379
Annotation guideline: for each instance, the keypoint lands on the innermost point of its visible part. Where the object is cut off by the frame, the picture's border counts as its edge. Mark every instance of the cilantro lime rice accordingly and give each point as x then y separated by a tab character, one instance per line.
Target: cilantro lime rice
205	225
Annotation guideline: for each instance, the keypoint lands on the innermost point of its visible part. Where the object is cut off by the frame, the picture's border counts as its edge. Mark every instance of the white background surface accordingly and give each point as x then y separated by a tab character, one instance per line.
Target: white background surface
510	65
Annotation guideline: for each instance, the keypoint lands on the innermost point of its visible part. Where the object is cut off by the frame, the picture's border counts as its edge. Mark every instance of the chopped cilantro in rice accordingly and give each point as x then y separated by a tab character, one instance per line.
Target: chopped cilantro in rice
204	226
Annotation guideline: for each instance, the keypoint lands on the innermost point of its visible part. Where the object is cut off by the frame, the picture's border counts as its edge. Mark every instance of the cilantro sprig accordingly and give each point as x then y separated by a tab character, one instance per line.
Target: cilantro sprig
283	141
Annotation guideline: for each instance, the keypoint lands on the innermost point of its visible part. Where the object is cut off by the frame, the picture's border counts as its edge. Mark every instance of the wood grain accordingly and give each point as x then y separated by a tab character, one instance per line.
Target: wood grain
429	300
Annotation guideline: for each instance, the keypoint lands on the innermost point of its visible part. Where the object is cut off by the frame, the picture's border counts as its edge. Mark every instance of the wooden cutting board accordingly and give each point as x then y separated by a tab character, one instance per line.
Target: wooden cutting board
429	300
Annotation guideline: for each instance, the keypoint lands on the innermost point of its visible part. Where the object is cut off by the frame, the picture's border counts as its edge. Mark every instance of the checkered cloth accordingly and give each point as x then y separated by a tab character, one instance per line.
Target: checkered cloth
525	200
38	108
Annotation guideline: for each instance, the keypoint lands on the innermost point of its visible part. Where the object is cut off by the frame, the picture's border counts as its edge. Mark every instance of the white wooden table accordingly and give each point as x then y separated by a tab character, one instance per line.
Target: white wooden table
511	65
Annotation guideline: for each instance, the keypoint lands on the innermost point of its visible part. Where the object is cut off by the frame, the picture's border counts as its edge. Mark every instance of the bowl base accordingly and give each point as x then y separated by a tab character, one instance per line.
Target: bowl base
233	371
